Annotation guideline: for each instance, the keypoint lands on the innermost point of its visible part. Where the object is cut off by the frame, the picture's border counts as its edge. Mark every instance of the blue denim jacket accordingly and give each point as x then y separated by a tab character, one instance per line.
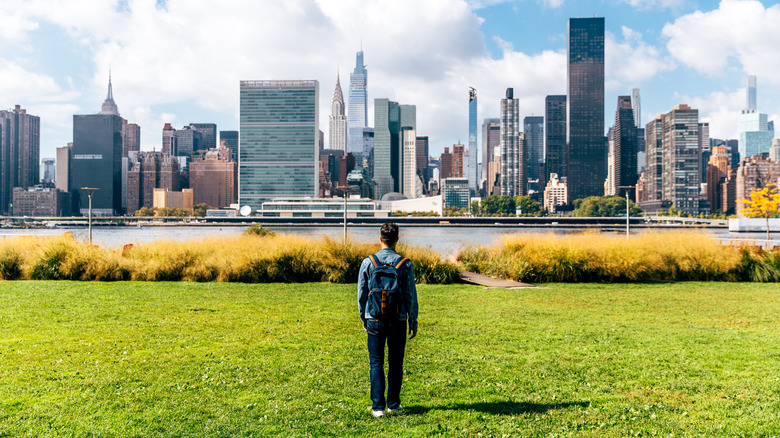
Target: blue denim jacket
409	304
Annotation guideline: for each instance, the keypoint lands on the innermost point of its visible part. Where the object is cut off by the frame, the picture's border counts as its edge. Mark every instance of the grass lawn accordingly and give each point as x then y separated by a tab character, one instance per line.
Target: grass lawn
217	359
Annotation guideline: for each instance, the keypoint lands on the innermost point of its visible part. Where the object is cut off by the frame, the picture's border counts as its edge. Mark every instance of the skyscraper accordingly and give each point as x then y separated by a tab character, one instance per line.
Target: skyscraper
208	135
357	114
511	153
169	140
20	149
131	137
278	151
654	136
752	95
491	139
587	154
624	149
636	105
533	127
458	161
555	138
754	134
718	169
446	164
63	168
96	159
422	160
472	172
412	186
337	124
681	175
390	119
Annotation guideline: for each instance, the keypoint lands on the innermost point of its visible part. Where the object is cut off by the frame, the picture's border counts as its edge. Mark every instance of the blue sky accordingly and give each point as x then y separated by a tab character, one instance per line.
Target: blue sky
180	61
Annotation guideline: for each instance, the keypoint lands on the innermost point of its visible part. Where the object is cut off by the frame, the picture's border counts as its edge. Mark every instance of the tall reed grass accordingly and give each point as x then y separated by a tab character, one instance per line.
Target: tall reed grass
591	257
251	258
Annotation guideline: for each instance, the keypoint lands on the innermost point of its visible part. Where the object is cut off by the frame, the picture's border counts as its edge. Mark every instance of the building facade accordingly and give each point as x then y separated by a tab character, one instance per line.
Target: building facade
511	153
421	153
718	170
169	140
131	137
491	139
458	161
445	164
39	201
96	162
455	193
278	150
208	135
213	178
680	150
533	128
555	159
755	173
623	149
754	134
587	167
63	168
555	194
20	149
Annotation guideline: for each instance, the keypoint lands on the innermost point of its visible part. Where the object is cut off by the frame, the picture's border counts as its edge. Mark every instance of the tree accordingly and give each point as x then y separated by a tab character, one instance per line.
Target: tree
763	203
200	209
603	206
144	211
528	207
474	206
498	205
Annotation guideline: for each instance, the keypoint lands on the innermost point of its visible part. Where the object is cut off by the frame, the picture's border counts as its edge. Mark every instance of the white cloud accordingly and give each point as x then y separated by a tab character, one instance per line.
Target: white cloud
720	109
651	4
631	61
741	34
14	25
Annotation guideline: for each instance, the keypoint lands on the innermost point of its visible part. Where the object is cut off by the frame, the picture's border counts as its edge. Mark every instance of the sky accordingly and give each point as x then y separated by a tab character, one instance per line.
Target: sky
180	61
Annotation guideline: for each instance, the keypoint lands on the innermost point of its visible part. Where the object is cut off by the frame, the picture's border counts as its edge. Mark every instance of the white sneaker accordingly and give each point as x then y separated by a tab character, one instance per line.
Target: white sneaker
398	409
378	413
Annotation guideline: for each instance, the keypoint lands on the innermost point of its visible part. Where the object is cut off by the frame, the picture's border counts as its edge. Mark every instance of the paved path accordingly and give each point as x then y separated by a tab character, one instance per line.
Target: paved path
484	280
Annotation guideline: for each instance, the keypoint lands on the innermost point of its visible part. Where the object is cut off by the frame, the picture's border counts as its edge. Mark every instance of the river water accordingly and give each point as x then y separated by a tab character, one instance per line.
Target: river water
446	240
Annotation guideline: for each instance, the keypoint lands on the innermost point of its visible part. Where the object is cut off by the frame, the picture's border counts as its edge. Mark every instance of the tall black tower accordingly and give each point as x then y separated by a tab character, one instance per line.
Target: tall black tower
587	166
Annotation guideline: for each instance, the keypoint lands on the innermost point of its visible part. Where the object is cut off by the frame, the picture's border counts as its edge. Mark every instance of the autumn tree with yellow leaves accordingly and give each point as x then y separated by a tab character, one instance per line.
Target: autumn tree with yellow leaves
763	203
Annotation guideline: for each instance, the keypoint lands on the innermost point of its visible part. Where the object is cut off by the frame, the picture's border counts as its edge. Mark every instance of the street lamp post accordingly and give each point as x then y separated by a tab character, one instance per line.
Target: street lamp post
90	191
345	189
628	210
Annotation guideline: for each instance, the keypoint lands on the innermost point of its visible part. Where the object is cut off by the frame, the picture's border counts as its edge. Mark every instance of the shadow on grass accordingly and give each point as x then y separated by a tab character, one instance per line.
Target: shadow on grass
499	408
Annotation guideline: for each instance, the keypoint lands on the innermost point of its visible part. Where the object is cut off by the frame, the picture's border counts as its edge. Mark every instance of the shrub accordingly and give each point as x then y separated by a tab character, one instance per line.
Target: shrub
258	230
10	264
664	256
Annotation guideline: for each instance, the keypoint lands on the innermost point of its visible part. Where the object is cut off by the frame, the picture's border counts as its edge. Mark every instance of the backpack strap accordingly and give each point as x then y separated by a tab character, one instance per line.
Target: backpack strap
374	260
398	265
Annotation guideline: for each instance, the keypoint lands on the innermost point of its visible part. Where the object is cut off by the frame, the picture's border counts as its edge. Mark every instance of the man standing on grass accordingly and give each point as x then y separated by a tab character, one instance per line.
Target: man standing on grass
387	301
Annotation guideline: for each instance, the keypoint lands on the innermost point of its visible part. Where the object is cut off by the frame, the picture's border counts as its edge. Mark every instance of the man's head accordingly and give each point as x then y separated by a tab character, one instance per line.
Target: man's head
389	234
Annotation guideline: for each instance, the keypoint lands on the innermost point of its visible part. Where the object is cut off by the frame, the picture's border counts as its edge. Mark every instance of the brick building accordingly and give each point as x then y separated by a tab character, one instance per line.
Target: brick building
213	178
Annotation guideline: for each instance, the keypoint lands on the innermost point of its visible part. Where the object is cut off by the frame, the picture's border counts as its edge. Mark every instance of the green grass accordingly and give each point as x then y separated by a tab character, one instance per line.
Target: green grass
221	359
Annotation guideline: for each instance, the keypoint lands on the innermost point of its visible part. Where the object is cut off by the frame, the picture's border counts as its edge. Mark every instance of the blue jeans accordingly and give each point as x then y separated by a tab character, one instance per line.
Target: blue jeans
394	332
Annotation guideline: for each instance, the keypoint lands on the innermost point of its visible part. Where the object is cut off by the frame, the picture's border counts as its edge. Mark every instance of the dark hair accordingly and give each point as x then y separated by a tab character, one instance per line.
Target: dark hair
389	233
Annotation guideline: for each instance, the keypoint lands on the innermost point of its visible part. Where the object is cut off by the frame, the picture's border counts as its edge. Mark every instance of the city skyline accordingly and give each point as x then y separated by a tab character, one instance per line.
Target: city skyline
56	59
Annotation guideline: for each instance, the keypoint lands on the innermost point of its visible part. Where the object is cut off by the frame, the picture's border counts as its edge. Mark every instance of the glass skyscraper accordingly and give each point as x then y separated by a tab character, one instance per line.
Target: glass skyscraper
278	140
357	107
555	138
473	170
533	126
96	161
587	145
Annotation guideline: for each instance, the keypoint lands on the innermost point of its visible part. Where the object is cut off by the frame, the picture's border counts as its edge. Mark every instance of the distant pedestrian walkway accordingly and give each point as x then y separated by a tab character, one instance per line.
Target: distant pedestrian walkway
484	280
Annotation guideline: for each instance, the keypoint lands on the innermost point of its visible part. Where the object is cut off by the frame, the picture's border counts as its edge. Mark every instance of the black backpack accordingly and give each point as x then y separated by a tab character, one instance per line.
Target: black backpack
384	290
